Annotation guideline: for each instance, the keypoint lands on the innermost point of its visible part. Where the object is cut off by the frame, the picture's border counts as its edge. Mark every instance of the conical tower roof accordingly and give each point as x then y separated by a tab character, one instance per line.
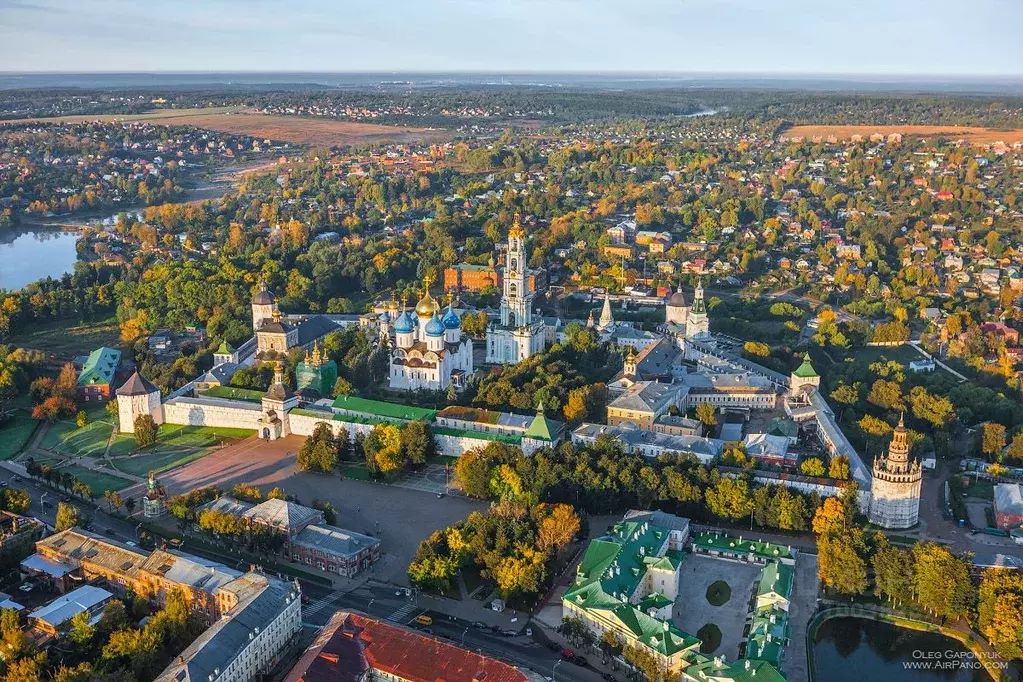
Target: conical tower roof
137	385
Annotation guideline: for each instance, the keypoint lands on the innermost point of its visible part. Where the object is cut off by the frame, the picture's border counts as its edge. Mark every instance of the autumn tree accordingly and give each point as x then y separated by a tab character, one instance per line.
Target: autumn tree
558	526
992	439
67	516
942	581
812	466
707	414
383	448
1000	611
417	444
146	430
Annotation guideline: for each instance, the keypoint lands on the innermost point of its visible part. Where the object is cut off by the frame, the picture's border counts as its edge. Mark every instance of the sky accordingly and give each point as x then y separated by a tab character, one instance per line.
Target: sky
831	37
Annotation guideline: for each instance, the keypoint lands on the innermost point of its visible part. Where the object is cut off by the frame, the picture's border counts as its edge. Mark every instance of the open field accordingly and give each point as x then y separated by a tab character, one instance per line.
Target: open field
66	340
294	129
845	132
174	438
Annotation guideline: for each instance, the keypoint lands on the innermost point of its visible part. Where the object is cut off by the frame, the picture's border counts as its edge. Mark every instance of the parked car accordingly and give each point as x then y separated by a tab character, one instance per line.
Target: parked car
479	625
580	661
567	654
609	677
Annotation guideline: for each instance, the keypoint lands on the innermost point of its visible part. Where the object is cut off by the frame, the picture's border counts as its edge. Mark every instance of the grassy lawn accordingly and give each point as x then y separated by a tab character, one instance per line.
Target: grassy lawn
143	463
88	441
232	393
172	438
870	354
68	339
718	594
356	472
710	638
15	434
985	490
96	480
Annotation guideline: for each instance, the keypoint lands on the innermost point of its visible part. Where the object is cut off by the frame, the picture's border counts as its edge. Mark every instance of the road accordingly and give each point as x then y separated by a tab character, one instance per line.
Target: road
386	603
43	506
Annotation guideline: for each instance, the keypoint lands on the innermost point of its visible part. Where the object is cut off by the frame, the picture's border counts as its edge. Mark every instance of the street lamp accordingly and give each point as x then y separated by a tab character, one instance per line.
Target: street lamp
555	666
463	635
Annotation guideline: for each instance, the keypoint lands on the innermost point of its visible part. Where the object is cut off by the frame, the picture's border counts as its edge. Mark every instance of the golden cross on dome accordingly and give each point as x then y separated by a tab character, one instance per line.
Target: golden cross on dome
427	281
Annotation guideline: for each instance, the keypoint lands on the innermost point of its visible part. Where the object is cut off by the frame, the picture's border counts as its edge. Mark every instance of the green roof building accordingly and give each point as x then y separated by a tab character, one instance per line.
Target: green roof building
627	583
348	405
95	381
804	375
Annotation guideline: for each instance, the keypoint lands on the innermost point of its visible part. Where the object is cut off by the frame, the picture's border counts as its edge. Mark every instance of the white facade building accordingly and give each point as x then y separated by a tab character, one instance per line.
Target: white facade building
430	351
517	336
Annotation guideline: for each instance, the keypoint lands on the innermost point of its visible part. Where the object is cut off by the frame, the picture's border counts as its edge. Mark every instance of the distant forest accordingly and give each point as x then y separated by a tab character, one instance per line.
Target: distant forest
461	105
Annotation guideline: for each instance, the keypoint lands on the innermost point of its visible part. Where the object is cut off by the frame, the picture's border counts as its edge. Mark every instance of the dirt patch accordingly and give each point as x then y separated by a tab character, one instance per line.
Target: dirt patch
846	132
294	129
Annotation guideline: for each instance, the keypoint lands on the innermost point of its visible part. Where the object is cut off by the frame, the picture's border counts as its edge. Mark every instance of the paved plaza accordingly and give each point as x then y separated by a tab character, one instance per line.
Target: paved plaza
692	610
400	515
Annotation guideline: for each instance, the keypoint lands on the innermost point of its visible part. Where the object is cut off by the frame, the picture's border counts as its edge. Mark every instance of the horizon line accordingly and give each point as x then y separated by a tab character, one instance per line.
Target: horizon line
539	72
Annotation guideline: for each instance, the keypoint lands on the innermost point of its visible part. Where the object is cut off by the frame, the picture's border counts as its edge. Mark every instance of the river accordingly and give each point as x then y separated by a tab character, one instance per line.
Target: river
39	248
856	649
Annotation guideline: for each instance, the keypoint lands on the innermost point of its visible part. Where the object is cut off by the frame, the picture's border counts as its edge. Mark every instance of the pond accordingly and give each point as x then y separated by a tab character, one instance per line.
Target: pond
29	255
856	649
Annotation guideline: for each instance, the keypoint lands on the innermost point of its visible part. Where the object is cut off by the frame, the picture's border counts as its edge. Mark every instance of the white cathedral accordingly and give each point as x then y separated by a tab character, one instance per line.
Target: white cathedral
518	335
429	351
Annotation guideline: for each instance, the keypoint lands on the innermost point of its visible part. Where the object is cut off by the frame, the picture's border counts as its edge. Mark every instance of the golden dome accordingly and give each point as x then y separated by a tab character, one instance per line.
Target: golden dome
516	228
427	306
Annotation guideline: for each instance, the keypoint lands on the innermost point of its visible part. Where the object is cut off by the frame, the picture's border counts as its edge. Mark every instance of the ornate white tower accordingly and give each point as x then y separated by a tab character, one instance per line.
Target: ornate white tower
517	302
895	489
607	318
698	322
517	336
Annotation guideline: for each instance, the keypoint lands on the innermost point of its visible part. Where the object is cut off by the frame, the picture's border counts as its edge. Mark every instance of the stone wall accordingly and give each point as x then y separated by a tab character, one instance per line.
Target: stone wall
192	412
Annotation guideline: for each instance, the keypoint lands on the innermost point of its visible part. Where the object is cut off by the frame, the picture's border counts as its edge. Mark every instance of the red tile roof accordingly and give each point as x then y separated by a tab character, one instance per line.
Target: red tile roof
349	644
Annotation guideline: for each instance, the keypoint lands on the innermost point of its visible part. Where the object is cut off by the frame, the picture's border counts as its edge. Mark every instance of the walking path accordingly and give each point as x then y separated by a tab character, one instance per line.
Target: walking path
939	363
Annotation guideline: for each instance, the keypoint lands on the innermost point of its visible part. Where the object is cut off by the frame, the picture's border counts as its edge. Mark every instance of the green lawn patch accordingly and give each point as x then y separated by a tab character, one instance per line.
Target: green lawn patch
15	433
710	638
144	462
97	480
473	579
718	594
985	490
172	438
356	472
232	393
88	441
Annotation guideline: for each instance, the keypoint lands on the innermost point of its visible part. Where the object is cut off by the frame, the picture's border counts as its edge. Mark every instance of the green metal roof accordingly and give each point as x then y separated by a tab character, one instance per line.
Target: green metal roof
806	370
100	368
776	578
225	348
378	408
541	427
726	543
612	568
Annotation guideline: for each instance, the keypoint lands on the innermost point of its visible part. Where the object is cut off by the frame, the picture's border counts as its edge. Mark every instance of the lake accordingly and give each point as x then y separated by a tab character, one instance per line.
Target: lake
856	649
29	255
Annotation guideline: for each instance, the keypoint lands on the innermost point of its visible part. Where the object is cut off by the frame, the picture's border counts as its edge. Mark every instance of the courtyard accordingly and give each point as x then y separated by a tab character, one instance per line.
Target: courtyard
693	610
401	516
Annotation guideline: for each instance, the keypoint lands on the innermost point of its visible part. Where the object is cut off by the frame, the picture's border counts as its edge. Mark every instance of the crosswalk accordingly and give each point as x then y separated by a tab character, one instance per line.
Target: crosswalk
319	607
404	614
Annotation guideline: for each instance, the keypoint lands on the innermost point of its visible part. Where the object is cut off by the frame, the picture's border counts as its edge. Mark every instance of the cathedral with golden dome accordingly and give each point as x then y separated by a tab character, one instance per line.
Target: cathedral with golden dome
429	350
